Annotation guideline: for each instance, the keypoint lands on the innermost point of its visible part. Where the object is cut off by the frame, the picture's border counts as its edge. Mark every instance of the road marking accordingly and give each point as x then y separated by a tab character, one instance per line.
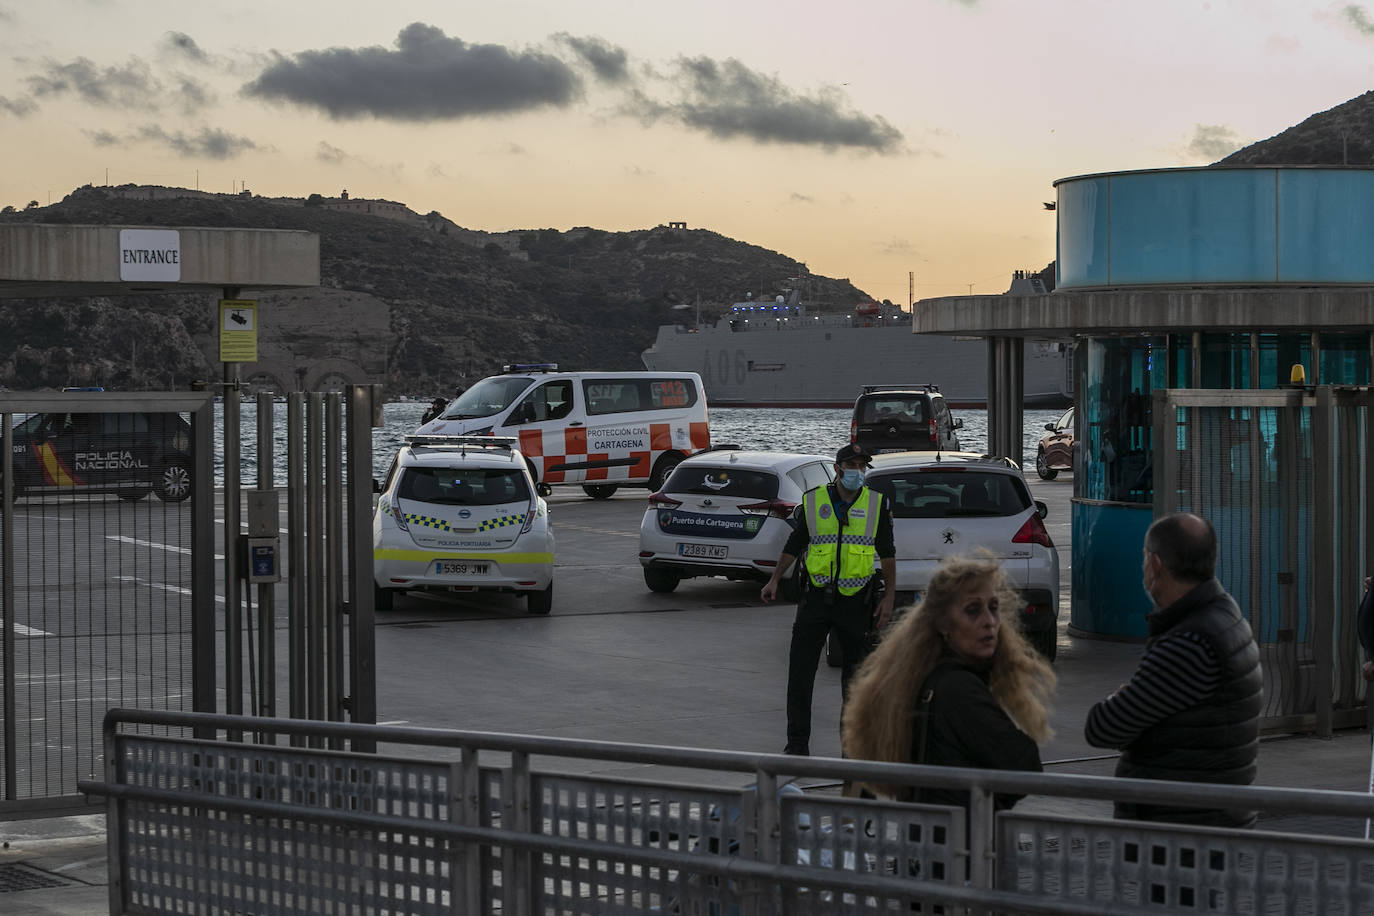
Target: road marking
621	534
142	543
162	585
395	722
21	630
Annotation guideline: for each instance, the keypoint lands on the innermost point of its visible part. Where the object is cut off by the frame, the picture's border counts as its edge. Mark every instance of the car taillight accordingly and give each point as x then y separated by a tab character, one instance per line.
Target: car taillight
661	501
777	508
934	433
1033	532
529	519
399	517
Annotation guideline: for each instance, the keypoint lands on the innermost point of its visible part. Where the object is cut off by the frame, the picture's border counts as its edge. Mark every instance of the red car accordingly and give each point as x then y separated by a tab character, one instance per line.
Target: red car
1055	452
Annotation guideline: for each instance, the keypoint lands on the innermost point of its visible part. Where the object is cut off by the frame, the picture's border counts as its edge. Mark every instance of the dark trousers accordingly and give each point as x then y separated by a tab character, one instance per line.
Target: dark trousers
849	618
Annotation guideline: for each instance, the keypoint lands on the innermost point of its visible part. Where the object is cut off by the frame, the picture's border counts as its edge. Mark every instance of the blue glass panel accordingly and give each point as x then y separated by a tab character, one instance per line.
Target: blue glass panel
1106	559
1082	233
1326	226
1191	226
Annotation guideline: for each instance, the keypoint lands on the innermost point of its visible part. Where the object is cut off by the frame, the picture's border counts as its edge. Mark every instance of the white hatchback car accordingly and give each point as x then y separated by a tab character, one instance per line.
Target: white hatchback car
726	512
958	502
460	513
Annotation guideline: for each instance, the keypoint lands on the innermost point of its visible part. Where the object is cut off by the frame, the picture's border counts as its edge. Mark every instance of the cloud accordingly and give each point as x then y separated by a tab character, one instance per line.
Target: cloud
728	100
325	152
797	198
1359	19
1214	141
898	246
427	77
609	62
131	86
184	45
207	143
18	107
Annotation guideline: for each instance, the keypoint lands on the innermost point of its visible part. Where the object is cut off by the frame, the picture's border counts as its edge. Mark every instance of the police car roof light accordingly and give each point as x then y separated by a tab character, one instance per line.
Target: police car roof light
530	367
921	386
438	441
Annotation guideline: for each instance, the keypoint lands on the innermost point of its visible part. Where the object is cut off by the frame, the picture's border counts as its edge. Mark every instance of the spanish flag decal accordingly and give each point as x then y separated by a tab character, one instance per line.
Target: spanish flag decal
53	468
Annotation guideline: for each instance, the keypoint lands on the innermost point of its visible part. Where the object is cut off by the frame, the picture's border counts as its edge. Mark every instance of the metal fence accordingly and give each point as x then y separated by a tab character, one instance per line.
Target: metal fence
450	821
1286	479
103	518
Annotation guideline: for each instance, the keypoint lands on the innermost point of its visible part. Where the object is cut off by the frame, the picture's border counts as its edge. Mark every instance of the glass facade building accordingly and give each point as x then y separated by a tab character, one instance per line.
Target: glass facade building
1242	228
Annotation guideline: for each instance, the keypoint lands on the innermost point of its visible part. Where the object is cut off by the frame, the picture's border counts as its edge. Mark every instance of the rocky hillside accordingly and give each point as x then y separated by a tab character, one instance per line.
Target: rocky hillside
1343	135
422	303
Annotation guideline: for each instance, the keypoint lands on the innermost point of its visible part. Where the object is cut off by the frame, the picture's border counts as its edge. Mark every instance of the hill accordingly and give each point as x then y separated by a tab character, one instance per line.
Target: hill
1343	135
419	301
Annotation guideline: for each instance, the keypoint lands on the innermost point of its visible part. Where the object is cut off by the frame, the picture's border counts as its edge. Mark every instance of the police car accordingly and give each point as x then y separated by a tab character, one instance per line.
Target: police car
462	514
726	513
127	454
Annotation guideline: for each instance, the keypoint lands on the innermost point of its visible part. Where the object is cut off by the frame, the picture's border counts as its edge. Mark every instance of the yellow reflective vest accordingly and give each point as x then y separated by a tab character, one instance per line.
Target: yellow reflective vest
847	555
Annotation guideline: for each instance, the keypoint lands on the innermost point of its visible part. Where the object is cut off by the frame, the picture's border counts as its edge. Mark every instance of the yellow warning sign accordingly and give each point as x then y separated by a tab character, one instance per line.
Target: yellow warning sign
238	330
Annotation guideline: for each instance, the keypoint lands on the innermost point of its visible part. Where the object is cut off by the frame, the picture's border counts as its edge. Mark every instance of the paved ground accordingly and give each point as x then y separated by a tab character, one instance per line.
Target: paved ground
704	666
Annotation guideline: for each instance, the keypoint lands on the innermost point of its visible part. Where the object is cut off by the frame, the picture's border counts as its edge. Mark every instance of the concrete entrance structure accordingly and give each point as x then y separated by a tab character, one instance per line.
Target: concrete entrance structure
1181	278
53	260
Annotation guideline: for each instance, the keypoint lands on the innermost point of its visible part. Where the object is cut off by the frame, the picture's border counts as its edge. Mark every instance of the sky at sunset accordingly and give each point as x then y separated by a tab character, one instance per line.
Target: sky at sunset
866	139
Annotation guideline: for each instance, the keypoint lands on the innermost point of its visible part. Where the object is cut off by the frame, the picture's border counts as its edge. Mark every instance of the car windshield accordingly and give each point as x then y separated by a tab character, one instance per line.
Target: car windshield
488	397
940	493
463	486
722	480
893	409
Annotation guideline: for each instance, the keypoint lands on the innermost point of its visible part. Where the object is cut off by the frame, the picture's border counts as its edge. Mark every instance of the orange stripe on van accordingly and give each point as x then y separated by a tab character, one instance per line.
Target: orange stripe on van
640	469
595	473
660	436
575	441
701	435
532	443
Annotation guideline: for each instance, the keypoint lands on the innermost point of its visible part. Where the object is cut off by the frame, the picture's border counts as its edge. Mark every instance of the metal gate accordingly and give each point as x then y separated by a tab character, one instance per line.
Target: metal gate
1285	477
106	577
119	587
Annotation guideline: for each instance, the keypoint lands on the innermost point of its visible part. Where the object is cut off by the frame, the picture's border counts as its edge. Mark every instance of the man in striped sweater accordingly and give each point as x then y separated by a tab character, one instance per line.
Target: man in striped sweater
1191	710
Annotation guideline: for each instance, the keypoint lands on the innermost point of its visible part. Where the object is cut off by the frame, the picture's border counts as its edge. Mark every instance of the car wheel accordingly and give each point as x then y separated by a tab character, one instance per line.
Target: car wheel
133	495
599	490
174	483
663	469
834	654
1042	466
540	602
1046	642
660	580
383	599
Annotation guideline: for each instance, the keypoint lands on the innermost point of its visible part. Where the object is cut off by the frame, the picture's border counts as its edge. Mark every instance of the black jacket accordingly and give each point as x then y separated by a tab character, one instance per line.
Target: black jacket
1216	741
967	727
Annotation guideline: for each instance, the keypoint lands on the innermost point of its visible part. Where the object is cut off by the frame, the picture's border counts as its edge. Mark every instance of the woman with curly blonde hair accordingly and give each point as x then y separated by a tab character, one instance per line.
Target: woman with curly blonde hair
953	683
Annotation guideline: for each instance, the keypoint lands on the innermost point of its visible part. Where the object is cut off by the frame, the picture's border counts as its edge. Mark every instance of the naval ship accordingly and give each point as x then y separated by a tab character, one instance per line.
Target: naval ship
777	353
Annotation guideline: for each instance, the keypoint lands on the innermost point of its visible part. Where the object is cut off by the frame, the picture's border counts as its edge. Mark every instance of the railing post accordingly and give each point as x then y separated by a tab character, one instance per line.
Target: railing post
769	826
114	821
981	854
521	861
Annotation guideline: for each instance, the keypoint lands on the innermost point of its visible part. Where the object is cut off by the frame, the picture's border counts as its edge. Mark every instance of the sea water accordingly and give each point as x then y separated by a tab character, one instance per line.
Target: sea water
785	429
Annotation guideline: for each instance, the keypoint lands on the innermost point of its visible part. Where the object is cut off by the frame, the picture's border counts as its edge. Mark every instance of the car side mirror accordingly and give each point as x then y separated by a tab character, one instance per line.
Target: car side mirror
1050	427
958	423
1041	509
543	489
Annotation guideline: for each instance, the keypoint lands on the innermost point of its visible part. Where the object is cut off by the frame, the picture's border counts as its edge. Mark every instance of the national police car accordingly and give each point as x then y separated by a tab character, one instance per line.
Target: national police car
129	454
461	513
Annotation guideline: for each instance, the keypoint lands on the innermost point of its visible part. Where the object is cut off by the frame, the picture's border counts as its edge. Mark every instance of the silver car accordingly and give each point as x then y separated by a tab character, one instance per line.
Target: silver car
727	513
958	502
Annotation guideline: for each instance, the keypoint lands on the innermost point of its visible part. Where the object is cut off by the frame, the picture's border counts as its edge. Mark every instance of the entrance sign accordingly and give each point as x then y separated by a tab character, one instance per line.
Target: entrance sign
150	255
238	330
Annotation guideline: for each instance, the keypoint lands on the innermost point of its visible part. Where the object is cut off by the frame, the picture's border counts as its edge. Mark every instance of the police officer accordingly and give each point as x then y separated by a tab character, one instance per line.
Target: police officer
840	529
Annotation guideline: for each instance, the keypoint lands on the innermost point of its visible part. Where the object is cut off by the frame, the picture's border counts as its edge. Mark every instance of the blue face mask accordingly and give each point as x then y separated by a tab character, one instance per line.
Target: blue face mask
852	479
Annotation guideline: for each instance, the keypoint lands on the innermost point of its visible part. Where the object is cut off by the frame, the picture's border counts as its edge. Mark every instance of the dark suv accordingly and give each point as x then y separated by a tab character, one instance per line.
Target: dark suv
128	454
903	418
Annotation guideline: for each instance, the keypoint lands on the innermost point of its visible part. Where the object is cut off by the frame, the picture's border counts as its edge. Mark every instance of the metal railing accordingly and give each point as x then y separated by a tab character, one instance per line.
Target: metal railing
215	826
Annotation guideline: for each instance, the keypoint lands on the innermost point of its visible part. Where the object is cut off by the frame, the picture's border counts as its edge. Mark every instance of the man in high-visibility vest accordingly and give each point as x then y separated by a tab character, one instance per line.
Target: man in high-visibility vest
841	529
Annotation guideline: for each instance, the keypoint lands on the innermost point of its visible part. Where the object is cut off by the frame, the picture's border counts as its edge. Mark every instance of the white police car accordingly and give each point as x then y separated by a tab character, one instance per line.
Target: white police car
726	513
461	514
